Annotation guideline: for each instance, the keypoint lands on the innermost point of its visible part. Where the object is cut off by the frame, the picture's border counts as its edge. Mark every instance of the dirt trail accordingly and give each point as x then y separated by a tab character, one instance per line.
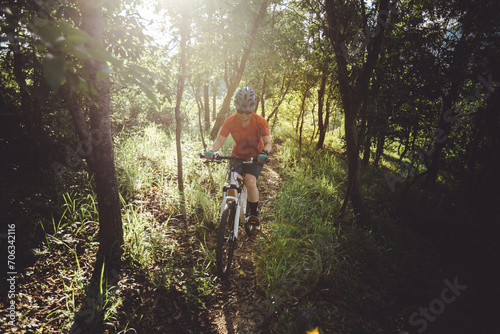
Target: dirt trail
241	304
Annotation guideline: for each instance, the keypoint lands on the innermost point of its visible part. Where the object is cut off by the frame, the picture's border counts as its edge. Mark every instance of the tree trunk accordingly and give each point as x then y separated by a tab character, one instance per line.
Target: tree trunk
367	144
380	148
300	120
207	107
178	120
224	111
214	101
367	148
31	114
263	105
438	146
110	222
314	123
285	86
236	78
201	110
406	147
327	117
74	104
321	99
353	181
353	91
461	58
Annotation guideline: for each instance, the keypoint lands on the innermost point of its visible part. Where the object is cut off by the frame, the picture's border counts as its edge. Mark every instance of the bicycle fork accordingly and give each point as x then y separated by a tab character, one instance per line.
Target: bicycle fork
240	202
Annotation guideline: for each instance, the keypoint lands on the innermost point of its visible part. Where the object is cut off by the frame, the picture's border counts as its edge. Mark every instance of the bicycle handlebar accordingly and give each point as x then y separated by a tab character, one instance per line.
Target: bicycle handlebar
218	158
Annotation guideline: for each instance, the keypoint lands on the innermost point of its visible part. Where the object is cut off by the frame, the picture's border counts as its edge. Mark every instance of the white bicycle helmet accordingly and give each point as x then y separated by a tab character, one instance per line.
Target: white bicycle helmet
245	99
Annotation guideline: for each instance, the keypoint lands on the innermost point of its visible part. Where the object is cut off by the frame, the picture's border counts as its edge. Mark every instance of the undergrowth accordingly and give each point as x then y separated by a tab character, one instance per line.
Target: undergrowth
304	247
147	172
307	245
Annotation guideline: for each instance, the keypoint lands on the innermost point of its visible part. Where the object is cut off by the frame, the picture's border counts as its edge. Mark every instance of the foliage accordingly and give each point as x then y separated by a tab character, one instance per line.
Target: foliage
432	108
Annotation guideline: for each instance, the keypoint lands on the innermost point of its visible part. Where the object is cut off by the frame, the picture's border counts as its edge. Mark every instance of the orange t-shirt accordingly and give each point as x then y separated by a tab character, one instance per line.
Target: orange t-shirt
248	140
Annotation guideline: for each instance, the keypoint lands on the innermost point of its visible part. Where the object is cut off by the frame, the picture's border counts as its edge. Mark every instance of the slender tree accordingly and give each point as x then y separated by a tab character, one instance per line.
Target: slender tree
206	98
178	120
460	58
110	221
233	82
354	85
321	99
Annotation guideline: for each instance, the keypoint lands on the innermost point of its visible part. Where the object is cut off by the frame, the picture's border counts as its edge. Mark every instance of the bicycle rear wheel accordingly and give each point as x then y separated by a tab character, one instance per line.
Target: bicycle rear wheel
225	241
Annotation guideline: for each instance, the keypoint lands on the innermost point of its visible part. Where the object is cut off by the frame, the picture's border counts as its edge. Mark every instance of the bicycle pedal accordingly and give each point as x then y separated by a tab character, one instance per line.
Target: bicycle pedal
253	221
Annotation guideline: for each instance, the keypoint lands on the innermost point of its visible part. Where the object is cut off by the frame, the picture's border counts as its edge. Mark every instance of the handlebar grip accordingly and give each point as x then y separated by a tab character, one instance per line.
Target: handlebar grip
216	158
219	157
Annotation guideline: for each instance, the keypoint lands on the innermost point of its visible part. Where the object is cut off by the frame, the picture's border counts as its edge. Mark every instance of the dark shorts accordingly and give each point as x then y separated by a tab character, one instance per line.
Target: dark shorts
253	169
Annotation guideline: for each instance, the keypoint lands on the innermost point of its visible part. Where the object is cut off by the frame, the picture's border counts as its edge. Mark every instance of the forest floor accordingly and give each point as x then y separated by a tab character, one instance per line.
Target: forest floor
47	285
239	305
48	292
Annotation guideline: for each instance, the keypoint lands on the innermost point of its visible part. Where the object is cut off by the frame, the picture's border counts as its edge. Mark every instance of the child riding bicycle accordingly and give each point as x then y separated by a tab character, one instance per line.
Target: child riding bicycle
252	139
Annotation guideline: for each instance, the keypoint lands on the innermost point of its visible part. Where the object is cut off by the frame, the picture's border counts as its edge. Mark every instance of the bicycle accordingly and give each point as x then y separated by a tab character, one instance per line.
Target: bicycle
232	211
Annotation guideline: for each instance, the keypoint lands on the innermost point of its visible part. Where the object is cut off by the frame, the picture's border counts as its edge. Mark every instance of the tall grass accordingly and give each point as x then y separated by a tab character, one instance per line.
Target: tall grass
301	239
63	233
147	161
147	169
305	239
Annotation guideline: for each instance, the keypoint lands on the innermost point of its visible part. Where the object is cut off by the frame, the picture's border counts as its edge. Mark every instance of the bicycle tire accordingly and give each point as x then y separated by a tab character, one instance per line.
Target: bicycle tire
225	241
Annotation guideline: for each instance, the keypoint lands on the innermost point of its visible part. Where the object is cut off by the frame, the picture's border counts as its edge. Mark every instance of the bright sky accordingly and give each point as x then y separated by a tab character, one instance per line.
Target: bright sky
148	13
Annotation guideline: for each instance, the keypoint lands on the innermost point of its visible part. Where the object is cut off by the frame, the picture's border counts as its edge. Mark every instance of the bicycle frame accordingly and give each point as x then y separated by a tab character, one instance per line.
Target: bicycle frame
234	193
235	181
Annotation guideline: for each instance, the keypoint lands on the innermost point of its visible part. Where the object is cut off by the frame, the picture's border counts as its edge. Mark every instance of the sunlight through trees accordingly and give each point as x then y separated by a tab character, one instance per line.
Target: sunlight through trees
385	120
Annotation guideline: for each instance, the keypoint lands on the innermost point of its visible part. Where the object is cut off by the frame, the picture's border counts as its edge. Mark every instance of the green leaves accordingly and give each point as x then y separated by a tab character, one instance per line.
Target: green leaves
104	72
54	70
66	48
142	78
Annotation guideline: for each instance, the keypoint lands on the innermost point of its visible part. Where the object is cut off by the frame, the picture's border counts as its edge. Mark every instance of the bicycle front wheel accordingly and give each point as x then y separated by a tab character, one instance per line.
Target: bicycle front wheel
225	241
